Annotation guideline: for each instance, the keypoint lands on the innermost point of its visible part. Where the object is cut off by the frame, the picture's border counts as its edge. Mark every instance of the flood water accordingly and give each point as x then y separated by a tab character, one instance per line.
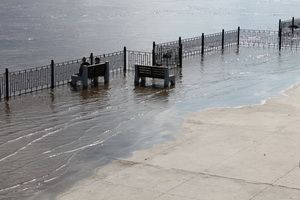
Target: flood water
50	139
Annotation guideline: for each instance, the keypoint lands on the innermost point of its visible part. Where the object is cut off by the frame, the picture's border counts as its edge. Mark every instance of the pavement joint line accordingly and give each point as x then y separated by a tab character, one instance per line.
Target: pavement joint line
214	175
176	195
288	172
260	192
194	176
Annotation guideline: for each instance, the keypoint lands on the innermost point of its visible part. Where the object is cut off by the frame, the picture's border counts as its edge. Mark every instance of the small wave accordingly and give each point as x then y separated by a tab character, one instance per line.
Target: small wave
18	185
77	149
10	188
51	179
29	144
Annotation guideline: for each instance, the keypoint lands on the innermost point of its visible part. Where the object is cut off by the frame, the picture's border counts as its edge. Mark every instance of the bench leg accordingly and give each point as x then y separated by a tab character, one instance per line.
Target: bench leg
84	78
95	81
166	82
143	81
74	80
106	76
167	78
136	80
136	76
172	80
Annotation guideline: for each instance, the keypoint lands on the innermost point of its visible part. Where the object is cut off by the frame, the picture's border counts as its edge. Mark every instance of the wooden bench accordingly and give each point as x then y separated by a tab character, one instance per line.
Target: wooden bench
92	72
143	71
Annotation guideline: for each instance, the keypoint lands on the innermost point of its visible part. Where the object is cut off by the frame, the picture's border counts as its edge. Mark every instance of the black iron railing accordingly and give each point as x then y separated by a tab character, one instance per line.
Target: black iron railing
258	37
138	58
116	60
166	54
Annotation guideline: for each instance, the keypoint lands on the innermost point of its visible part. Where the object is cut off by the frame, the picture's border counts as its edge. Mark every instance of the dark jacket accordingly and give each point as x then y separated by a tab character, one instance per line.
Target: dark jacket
81	68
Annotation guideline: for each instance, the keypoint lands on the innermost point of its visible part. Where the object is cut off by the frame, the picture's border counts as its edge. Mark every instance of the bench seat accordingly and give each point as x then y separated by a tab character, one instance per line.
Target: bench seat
143	71
91	72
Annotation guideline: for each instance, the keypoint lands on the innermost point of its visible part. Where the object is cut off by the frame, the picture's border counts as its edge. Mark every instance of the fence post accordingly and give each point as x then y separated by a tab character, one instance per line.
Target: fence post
52	74
280	38
92	58
125	59
180	53
202	44
223	33
279	26
293	25
6	84
153	54
238	36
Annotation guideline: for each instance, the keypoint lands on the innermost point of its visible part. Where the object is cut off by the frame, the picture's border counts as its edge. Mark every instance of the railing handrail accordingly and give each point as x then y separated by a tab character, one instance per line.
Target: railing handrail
168	43
259	30
30	69
133	51
109	54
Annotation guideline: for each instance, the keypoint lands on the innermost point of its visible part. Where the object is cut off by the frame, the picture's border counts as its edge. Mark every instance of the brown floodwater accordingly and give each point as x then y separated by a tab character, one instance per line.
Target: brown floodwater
52	138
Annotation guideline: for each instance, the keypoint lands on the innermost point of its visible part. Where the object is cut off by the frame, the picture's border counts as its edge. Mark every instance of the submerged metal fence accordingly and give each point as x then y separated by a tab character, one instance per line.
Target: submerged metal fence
267	38
138	58
167	54
191	46
258	37
64	70
116	60
27	80
207	43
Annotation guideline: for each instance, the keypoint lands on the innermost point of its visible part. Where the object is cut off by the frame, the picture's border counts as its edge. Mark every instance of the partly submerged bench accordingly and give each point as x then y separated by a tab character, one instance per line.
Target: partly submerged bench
143	71
91	72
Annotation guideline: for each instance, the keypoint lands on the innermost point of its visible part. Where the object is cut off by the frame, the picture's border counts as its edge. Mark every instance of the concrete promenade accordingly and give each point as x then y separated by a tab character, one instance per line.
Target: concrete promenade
249	153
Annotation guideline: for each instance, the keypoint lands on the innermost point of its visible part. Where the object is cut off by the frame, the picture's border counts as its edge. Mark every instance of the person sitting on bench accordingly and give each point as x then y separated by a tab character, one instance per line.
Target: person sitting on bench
76	77
83	63
97	60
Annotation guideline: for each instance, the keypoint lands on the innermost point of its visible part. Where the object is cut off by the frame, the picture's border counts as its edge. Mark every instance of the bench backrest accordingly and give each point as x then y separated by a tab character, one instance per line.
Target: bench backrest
152	71
96	70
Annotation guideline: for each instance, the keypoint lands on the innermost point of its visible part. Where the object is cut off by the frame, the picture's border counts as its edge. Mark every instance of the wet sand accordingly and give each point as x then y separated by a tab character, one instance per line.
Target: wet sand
224	153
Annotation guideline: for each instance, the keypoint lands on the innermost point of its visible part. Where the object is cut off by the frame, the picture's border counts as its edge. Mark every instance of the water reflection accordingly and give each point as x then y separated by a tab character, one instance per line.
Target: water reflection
52	100
7	108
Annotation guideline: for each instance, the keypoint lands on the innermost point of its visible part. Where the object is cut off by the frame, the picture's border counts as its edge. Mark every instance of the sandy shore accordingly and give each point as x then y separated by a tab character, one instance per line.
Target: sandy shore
231	153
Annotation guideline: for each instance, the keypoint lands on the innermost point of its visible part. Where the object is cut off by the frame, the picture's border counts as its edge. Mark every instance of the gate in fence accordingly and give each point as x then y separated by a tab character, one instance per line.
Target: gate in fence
167	54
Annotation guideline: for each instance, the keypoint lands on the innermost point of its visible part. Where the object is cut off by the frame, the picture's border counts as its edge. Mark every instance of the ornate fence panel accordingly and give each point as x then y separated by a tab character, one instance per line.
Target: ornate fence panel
29	80
64	70
138	58
191	46
230	38
290	40
167	54
212	42
259	37
116	60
